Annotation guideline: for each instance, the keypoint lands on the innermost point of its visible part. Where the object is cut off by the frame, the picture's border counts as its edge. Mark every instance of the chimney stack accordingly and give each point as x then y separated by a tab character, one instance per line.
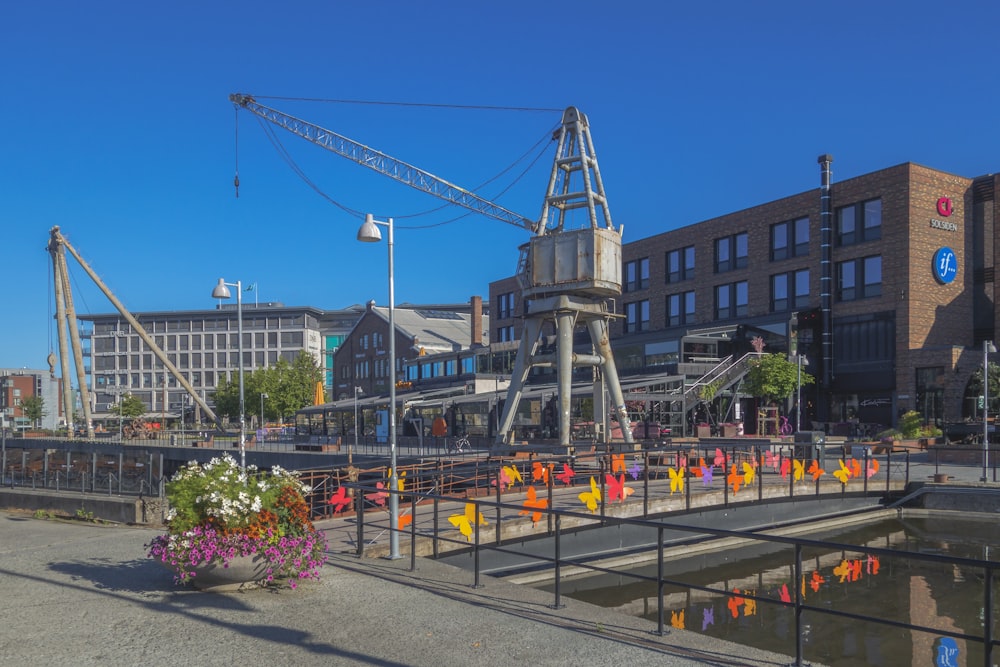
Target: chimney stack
476	328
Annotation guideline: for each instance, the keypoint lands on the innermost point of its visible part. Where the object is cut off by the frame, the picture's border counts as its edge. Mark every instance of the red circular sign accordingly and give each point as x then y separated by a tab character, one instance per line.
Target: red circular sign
944	206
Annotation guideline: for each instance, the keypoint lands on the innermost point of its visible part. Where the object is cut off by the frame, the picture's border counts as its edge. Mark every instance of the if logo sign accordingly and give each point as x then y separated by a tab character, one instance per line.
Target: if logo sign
945	265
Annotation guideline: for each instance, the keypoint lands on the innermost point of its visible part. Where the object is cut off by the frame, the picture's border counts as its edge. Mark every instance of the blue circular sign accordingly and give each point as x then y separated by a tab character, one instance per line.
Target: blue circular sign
945	265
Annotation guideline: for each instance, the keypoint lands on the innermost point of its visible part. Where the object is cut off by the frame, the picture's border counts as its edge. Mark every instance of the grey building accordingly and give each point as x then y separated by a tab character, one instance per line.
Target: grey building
204	346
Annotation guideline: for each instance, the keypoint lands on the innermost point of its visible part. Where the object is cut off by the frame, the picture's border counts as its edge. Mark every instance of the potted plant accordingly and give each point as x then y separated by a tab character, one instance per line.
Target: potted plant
228	527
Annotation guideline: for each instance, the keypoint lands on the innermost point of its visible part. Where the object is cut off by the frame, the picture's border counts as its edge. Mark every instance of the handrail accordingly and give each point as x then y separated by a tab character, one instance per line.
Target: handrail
482	505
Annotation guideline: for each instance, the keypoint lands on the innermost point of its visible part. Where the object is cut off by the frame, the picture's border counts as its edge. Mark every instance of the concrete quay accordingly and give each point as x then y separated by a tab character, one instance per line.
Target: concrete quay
85	594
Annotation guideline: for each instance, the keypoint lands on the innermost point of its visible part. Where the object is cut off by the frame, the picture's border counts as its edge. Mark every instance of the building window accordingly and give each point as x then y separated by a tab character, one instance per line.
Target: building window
505	334
731	252
859	222
680	264
505	305
680	309
790	239
637	274
636	316
789	291
859	278
731	300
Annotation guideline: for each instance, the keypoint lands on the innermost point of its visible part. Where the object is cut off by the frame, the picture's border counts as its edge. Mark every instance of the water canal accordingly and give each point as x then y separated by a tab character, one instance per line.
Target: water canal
944	596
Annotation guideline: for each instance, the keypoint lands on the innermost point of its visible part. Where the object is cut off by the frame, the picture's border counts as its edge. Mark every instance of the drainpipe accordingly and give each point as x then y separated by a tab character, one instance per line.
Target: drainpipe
826	269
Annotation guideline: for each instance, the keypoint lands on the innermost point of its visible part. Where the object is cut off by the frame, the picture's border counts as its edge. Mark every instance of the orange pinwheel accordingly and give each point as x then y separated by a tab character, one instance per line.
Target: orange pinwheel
816	581
734	479
540	472
855	468
873	565
784	594
532	505
786	466
465	522
616	487
617	463
815	470
677	619
404	521
591	498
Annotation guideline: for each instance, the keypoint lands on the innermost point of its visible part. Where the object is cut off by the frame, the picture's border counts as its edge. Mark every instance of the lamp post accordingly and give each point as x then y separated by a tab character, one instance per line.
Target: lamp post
798	392
350	451
369	233
221	291
263	395
988	347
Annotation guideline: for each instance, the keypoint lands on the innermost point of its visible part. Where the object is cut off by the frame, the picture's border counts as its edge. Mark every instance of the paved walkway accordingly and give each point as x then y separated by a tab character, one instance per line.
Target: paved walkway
80	594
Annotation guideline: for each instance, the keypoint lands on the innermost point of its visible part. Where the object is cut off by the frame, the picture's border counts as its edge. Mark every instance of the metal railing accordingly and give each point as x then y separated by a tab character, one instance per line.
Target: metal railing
122	474
557	562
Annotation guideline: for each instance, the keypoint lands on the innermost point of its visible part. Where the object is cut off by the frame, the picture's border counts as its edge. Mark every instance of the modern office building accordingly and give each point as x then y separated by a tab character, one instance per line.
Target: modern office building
203	345
884	283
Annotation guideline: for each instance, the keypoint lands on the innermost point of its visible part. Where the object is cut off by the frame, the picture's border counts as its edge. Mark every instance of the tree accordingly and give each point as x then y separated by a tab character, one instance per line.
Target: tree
33	408
772	377
129	407
289	387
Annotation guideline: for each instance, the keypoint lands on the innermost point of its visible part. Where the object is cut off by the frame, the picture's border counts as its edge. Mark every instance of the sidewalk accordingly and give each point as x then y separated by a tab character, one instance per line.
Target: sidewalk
85	595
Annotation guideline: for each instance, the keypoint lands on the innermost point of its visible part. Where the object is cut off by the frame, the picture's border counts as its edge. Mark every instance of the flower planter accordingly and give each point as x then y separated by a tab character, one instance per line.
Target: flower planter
243	572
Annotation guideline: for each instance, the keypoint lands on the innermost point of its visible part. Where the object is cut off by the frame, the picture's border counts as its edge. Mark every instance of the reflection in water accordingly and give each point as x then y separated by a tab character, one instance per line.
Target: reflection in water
945	597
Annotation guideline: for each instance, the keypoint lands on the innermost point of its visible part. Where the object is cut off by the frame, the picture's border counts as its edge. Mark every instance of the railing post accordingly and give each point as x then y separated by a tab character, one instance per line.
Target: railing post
988	617
888	470
548	487
604	492
359	514
437	509
475	506
557	601
645	485
907	480
865	472
660	612
759	467
798	605
413	528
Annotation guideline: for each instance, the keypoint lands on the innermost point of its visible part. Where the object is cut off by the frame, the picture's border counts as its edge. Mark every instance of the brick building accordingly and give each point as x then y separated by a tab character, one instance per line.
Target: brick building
883	282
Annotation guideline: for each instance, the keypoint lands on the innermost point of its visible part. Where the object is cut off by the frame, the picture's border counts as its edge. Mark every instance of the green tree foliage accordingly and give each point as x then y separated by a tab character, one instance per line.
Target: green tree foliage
33	408
289	387
772	377
129	407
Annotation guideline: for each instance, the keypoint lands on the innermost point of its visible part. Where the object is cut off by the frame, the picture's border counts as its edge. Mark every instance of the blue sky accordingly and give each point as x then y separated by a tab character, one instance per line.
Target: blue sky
118	128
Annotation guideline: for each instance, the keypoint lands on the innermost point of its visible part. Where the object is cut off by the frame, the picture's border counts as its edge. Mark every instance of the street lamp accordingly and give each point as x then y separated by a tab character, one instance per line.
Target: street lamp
221	291
263	395
800	360
369	233
988	347
350	452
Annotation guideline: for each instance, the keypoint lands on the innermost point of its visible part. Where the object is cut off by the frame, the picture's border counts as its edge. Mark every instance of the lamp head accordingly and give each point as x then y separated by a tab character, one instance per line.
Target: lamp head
221	291
369	231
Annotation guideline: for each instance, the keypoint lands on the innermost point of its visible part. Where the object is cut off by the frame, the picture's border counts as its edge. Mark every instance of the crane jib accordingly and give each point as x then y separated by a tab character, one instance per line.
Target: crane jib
384	164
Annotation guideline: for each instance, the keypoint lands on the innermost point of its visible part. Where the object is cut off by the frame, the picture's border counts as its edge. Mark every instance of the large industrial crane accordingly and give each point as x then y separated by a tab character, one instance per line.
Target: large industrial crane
567	276
66	320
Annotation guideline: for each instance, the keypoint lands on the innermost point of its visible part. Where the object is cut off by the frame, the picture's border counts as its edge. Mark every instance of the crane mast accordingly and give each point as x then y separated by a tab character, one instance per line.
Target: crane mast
567	276
66	315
